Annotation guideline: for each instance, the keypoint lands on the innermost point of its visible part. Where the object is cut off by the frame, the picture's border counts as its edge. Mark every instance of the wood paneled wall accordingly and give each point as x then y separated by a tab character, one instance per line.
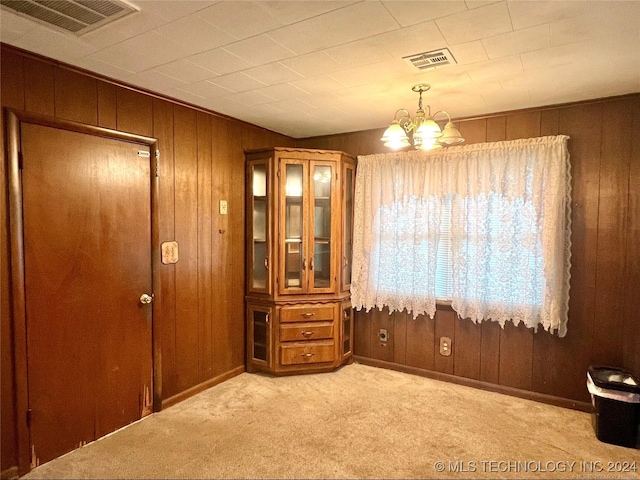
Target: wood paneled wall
604	311
200	299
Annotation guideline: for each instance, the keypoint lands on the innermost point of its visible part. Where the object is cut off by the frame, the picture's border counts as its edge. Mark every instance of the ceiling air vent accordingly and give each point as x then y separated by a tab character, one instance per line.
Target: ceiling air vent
75	16
435	58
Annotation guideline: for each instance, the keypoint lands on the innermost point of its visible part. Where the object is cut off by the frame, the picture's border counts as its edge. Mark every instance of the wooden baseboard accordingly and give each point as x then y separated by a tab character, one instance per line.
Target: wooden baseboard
9	473
166	403
469	382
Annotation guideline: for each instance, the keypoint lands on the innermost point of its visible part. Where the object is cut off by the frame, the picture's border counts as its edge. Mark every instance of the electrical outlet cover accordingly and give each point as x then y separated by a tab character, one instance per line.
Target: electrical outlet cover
445	346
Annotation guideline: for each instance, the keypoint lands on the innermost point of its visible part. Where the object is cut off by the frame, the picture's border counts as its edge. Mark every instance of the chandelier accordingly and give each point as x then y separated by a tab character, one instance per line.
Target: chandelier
426	132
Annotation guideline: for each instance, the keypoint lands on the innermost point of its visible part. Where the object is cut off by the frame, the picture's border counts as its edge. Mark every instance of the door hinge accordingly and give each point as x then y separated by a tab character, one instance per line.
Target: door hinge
157	163
29	415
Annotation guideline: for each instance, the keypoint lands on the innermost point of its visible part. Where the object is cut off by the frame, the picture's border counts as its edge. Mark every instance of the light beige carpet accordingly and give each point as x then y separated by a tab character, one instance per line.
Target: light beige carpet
357	422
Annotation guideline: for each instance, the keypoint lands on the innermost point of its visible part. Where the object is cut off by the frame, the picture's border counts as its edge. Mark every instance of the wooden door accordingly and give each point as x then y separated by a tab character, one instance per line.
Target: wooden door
87	260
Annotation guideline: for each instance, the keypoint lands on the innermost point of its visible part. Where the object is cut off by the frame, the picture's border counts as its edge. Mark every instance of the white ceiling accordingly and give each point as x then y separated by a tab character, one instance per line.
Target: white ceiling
307	68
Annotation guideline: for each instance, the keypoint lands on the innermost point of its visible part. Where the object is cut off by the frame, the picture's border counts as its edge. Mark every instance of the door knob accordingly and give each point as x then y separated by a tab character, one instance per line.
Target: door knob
146	298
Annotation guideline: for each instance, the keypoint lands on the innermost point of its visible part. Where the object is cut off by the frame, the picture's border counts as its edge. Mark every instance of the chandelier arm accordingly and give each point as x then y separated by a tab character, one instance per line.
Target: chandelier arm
406	115
442	111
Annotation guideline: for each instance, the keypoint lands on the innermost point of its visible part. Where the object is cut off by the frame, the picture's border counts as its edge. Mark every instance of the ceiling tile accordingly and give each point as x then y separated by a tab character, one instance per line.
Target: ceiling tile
226	107
479	3
269	110
529	13
372	73
444	78
502	101
319	84
9	36
102	68
155	81
186	71
195	34
14	25
311	64
259	50
550	58
361	52
124	28
520	41
52	43
492	69
206	89
250	98
220	61
475	24
240	19
283	91
470	100
351	23
471	52
185	96
420	38
273	74
141	52
171	11
288	11
612	20
237	82
294	106
412	12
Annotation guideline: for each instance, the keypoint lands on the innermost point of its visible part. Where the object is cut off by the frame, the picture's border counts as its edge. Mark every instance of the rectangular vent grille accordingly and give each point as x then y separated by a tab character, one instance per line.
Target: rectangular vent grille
432	59
75	16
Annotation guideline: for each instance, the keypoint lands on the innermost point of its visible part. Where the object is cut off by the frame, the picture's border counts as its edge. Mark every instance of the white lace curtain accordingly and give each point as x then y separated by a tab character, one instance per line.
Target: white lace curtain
486	226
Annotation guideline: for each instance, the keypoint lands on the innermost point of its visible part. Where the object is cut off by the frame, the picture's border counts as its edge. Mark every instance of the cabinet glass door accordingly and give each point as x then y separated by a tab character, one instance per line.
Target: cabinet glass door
293	256
259	235
322	231
347	330
347	228
259	335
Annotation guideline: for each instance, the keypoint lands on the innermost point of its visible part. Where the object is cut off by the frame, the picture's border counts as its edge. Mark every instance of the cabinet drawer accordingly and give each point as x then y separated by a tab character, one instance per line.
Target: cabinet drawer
307	314
306	331
300	353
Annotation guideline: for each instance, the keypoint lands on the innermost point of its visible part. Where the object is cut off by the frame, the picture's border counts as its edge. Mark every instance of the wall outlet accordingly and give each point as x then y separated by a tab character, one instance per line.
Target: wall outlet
223	207
383	335
445	346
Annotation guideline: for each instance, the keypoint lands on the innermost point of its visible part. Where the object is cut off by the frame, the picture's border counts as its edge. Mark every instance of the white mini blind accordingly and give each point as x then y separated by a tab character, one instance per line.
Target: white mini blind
444	282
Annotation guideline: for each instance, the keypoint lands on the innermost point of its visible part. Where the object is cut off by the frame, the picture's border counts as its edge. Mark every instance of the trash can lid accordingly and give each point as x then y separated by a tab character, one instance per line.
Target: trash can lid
614	379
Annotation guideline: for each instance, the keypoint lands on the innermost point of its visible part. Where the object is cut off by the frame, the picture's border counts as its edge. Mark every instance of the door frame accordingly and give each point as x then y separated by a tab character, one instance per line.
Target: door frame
16	258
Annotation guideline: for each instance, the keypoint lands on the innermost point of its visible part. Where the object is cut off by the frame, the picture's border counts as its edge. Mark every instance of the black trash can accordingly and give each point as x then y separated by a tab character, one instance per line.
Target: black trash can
615	395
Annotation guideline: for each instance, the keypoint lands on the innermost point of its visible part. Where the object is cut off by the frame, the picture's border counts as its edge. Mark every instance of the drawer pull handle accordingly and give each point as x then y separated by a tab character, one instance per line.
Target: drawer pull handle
308	355
308	314
308	333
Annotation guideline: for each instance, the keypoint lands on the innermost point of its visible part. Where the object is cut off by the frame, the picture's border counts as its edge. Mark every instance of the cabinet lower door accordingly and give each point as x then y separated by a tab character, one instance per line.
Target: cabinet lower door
259	350
346	331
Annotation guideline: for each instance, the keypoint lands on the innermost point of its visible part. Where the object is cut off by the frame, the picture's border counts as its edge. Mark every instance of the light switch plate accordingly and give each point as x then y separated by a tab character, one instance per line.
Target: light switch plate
223	207
169	252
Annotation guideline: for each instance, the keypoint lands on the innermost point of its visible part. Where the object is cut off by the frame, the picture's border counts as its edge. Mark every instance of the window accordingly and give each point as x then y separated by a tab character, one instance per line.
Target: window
486	226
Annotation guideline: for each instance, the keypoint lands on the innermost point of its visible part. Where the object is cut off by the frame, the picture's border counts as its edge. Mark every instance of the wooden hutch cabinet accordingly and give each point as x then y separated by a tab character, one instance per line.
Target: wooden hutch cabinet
299	239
